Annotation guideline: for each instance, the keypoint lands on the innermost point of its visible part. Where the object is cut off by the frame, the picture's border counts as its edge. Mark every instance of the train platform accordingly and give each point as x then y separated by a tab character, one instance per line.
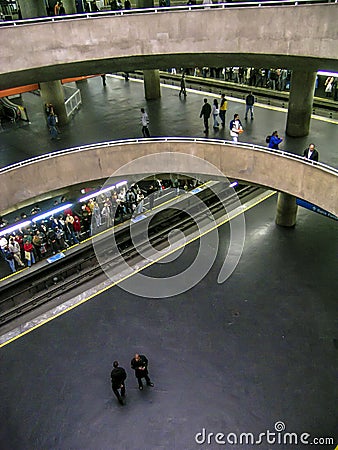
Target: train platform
113	112
256	354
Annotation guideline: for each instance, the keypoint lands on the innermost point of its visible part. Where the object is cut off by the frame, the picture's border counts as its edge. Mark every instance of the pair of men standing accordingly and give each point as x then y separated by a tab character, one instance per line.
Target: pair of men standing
118	376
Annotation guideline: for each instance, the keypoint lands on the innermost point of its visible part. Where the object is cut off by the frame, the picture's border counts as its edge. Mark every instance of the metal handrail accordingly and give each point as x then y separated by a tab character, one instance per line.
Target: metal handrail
156	9
73	102
115	143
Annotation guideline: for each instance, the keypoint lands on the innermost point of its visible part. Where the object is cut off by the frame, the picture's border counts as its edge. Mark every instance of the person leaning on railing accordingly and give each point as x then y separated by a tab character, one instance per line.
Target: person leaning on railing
275	140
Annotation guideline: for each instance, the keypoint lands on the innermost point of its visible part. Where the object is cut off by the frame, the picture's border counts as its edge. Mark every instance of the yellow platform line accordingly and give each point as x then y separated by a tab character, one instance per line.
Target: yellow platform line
242	211
234	99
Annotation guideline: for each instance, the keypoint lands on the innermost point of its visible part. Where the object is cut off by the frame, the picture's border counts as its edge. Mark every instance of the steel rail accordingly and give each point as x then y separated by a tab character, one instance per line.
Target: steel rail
86	267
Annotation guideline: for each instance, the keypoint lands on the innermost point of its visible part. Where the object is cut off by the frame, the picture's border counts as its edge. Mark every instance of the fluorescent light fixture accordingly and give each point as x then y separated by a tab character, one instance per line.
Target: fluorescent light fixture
233	184
121	183
51	213
15	227
102	191
96	193
327	74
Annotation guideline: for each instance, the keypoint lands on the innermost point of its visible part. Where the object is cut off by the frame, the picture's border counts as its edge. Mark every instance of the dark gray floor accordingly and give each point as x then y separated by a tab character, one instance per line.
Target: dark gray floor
113	112
229	358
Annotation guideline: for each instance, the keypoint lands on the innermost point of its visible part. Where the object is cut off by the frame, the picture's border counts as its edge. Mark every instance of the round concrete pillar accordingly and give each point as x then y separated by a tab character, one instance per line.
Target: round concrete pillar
69	6
286	210
300	103
52	92
152	87
32	8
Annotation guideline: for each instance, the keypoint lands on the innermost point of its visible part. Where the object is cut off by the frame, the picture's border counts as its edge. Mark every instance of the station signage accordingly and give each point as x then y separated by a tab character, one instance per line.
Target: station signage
315	208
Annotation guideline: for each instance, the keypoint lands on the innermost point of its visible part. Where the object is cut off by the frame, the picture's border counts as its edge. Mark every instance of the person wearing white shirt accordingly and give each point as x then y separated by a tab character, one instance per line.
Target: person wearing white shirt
145	122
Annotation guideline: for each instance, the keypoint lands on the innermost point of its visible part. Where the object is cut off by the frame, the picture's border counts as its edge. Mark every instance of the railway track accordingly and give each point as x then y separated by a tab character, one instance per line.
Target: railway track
21	296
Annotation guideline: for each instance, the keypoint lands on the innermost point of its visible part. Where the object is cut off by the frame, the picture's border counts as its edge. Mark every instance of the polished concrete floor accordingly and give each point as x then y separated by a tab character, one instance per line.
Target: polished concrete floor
231	358
235	357
113	112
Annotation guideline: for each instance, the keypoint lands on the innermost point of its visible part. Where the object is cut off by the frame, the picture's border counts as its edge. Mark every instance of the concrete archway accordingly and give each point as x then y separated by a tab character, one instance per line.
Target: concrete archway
280	171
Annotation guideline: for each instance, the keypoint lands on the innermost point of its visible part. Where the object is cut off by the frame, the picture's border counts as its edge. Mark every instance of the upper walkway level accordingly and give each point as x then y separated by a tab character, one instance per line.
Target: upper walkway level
295	35
276	169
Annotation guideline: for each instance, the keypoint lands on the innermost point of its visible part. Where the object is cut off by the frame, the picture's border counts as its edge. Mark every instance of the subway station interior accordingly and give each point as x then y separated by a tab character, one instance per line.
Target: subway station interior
211	252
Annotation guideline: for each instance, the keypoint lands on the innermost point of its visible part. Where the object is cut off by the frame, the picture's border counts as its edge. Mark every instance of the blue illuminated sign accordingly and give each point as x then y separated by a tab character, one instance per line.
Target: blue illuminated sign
315	208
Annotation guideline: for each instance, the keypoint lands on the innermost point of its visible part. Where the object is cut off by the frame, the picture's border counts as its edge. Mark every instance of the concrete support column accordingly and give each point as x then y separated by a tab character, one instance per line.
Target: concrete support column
152	87
69	6
52	92
32	8
300	103
286	210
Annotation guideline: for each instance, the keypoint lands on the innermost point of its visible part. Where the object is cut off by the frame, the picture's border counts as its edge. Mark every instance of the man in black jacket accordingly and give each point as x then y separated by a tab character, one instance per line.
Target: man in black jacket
205	113
118	376
249	105
140	364
311	153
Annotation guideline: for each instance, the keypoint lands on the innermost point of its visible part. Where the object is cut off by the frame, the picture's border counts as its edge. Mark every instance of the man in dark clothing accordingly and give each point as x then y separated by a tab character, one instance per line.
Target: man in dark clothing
249	104
118	376
140	364
52	121
205	113
311	153
183	90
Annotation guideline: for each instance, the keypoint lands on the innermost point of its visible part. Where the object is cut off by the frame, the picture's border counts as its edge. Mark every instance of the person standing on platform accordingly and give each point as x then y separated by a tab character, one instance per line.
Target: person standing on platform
145	123
118	377
51	121
215	113
249	105
236	128
103	76
223	109
62	10
127	4
183	89
151	197
275	140
9	257
56	8
205	113
14	248
140	364
311	153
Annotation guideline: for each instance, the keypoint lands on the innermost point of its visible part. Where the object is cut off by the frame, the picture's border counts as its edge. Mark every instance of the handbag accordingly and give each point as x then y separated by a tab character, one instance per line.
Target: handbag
28	256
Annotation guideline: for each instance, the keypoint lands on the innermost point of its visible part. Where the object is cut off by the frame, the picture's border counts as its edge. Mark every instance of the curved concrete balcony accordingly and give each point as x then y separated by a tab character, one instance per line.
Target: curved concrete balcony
302	36
285	172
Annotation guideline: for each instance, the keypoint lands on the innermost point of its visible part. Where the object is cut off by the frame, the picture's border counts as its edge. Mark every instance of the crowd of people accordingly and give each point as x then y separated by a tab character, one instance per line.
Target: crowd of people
270	78
41	238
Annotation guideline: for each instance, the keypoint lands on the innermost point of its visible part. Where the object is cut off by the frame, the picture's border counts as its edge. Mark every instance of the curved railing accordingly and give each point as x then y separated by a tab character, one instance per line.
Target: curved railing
155	9
97	145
